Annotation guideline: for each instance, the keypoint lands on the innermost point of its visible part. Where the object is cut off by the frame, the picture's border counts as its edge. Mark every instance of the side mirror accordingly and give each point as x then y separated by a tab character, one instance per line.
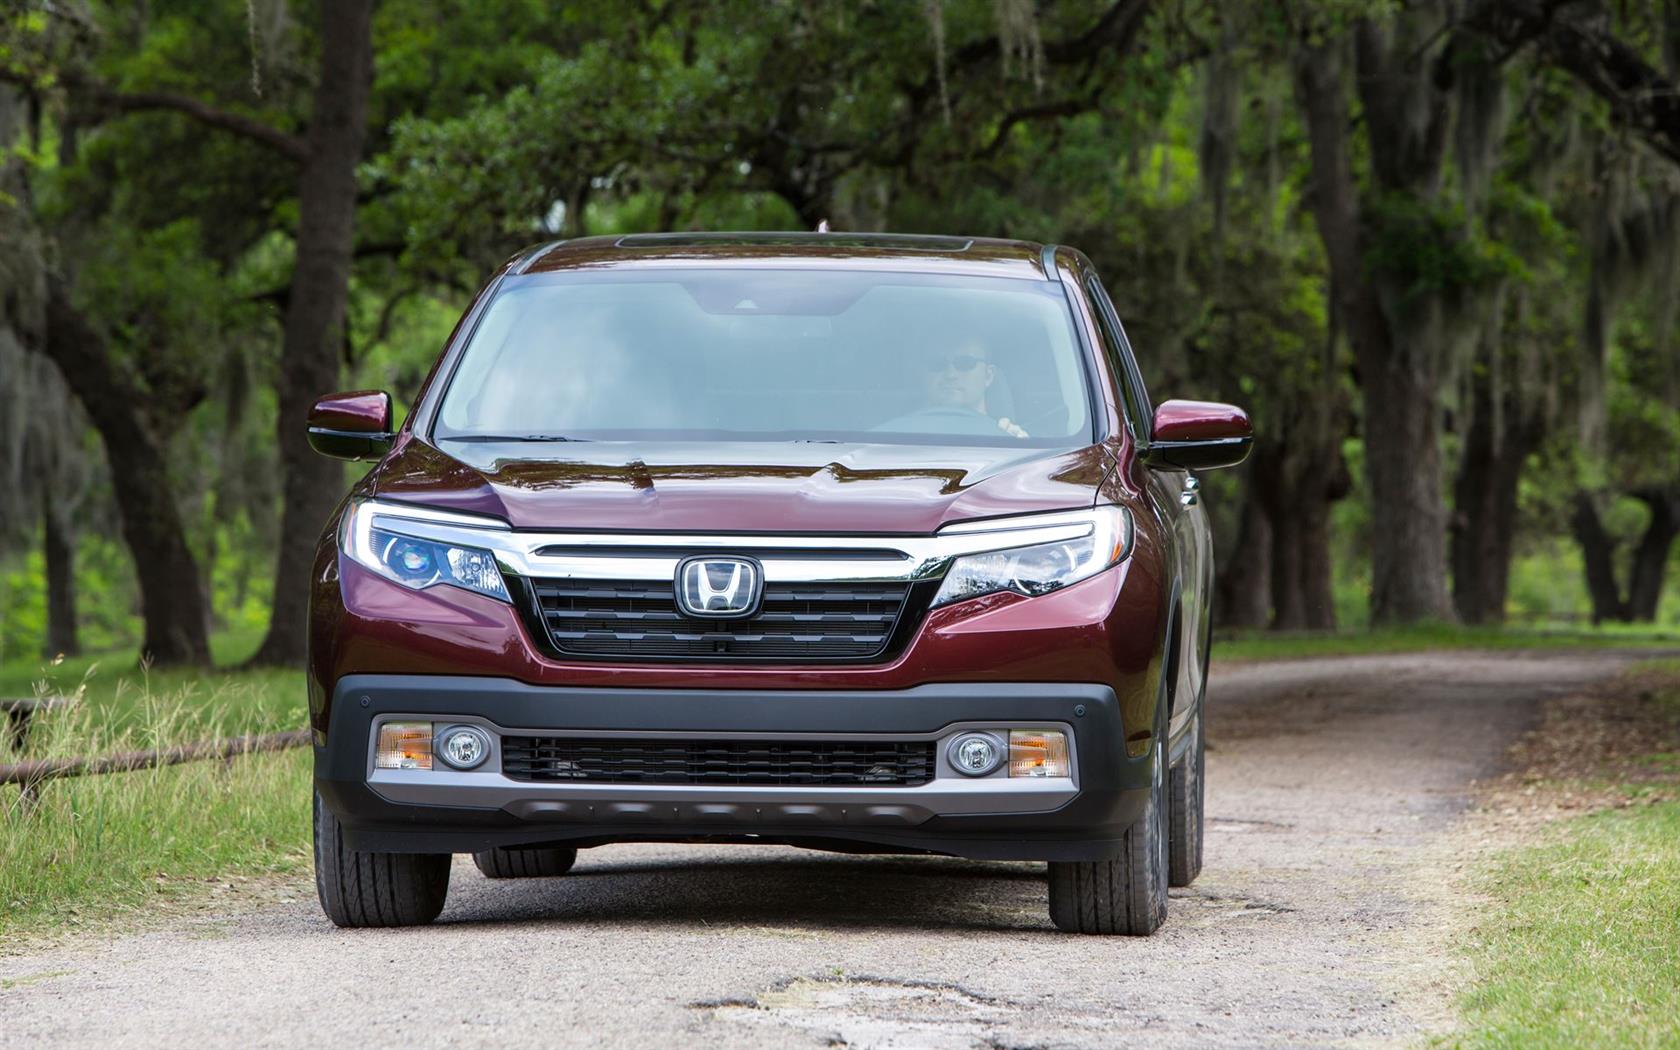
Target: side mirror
1198	435
356	425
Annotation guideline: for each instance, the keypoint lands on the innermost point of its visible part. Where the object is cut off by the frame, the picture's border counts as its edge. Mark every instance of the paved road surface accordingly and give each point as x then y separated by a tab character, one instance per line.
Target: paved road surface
1330	782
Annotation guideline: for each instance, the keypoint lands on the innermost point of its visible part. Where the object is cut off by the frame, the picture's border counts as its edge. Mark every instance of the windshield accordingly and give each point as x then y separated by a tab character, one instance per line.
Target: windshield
772	355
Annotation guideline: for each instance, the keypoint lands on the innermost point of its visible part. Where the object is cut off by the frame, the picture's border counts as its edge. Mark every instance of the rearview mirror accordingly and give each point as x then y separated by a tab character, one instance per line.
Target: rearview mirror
354	425
1198	435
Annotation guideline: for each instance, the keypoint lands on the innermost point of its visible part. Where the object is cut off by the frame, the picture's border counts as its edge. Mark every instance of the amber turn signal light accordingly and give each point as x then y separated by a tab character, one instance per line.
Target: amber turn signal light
404	745
1038	753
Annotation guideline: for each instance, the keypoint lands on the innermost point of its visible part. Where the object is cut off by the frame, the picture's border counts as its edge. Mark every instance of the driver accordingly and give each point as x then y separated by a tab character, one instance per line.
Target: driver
957	377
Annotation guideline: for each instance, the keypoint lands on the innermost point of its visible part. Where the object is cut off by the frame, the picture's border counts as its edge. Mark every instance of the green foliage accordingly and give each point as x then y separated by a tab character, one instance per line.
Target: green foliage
107	614
165	310
1430	247
1643	411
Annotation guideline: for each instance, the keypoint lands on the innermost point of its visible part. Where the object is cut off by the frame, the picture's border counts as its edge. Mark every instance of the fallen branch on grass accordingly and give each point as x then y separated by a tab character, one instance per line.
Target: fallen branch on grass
34	773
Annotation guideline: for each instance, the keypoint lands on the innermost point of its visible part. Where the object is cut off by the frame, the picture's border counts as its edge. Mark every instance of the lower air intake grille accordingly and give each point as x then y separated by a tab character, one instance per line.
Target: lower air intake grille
817	763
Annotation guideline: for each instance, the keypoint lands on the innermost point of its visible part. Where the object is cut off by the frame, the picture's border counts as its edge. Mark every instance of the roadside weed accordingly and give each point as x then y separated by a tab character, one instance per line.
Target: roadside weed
95	847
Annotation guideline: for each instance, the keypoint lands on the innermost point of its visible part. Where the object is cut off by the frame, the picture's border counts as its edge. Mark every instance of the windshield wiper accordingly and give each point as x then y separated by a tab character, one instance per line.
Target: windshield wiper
510	437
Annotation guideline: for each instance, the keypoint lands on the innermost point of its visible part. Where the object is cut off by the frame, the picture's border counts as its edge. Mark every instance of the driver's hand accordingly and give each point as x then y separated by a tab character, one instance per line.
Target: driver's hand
1010	428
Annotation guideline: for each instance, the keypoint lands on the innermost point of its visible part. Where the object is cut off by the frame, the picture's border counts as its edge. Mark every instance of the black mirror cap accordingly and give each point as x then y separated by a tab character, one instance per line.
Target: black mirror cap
1197	455
350	444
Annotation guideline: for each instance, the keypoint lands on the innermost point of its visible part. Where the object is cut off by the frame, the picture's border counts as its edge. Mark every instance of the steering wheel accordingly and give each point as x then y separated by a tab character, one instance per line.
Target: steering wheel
942	419
950	419
933	412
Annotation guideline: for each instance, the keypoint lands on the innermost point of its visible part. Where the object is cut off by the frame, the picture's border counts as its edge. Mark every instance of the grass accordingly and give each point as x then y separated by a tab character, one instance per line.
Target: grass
1293	645
98	848
1581	947
120	695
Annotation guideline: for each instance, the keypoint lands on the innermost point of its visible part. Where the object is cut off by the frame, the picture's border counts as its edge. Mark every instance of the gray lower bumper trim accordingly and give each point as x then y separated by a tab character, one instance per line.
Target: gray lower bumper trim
637	803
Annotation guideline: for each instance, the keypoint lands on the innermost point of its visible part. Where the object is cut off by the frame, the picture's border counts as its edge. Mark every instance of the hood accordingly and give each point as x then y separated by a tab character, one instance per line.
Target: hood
739	486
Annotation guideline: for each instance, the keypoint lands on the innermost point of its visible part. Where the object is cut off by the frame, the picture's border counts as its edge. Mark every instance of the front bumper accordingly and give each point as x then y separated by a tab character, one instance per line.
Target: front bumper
1080	817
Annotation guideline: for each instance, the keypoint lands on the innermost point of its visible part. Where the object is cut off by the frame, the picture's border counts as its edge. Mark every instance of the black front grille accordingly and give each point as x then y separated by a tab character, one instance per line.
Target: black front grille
796	622
817	763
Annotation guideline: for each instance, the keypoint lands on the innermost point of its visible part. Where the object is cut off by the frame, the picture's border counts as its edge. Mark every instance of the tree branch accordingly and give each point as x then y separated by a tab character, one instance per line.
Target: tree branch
1641	97
1048	110
290	145
1115	32
109	100
1116	29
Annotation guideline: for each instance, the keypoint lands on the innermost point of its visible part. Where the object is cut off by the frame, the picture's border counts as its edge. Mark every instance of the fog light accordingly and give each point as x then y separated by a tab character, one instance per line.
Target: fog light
404	745
1038	753
463	746
975	754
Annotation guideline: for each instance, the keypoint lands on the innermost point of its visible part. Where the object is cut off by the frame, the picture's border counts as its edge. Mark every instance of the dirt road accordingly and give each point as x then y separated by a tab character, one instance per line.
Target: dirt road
1316	921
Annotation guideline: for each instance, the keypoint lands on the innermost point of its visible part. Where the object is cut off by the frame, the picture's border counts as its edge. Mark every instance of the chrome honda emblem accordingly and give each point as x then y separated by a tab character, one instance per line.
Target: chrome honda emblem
719	587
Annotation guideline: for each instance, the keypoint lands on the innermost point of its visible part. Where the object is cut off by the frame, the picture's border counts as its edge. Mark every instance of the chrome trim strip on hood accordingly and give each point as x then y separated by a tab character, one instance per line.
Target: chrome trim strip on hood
786	558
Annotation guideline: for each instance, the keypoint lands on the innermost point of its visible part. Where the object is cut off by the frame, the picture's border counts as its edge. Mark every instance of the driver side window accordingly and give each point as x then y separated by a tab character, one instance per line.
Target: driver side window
1139	410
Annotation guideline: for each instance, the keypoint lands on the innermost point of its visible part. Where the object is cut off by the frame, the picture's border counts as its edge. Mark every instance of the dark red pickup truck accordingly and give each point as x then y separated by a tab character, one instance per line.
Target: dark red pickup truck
857	542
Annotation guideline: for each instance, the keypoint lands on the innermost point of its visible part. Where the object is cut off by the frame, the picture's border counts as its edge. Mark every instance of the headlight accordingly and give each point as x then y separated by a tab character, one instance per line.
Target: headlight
1044	567
416	562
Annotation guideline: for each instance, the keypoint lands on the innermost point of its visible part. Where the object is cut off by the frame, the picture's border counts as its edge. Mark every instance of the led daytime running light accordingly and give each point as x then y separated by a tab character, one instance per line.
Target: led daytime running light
415	561
1044	567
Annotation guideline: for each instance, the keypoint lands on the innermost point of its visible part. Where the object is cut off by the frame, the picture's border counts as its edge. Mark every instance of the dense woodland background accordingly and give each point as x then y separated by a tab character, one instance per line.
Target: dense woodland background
1433	246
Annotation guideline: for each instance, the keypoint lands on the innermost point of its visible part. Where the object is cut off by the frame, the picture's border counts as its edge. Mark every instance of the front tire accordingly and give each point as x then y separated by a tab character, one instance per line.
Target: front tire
375	889
1188	807
1126	895
501	863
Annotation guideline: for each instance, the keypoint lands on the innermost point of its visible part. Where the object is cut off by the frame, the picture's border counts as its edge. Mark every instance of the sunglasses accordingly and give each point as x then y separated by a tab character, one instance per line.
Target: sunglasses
960	363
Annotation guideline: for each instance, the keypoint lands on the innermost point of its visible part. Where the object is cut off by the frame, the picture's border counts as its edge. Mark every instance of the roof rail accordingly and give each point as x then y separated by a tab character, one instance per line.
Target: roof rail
1048	260
533	254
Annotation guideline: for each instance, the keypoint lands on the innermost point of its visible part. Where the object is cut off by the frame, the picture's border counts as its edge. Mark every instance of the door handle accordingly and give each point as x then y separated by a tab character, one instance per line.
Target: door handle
1192	489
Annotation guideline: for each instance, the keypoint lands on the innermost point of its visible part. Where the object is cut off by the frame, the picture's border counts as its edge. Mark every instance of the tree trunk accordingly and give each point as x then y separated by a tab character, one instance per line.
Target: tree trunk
1485	510
1283	510
576	222
1244	584
59	547
1403	463
1303	595
1650	558
1398	370
1477	548
1318	593
1598	558
171	599
315	313
1275	483
1299	475
1289	604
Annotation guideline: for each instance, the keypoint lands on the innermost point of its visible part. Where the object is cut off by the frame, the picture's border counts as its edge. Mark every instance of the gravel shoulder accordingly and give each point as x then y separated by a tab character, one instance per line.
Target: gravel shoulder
1334	786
